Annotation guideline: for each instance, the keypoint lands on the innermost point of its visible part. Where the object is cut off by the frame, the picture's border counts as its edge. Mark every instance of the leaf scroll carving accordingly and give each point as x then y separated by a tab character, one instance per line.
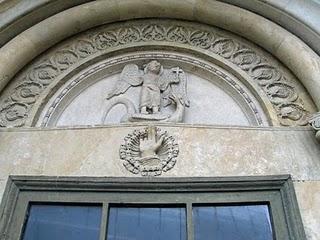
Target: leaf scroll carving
280	91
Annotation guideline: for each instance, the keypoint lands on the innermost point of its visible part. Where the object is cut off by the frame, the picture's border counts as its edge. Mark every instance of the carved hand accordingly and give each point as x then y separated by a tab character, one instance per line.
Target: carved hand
150	145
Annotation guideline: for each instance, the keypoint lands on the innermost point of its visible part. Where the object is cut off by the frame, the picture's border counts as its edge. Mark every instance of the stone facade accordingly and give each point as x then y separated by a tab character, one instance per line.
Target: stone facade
191	89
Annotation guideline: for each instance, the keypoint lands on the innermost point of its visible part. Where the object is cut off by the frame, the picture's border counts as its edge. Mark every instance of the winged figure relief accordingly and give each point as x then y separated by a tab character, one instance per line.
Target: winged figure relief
159	88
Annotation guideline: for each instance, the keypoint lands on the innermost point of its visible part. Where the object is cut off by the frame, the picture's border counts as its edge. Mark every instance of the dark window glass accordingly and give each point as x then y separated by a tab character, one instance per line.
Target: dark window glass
232	223
138	223
52	222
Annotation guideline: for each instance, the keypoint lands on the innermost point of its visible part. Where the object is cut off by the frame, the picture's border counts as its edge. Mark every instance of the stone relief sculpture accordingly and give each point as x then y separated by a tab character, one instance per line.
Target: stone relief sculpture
159	88
42	75
315	123
149	152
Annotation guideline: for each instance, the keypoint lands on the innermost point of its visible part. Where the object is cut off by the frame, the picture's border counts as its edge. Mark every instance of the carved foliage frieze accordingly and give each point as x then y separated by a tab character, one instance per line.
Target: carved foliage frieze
280	91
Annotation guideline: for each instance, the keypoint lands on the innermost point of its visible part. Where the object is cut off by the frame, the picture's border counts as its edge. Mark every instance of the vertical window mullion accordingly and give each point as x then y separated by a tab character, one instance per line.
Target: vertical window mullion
190	233
104	221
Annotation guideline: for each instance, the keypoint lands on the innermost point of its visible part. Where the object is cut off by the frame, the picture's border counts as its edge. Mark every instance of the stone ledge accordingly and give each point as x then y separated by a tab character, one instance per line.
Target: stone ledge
202	152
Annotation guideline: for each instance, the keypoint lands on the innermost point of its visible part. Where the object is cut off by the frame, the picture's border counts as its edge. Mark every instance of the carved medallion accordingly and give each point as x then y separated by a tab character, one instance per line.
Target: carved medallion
149	151
158	85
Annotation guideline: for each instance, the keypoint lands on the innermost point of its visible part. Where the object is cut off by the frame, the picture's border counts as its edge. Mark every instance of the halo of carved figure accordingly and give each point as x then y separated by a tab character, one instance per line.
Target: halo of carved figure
149	151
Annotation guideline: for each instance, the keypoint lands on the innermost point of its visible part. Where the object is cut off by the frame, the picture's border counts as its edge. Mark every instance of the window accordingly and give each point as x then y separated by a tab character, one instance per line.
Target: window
62	222
243	208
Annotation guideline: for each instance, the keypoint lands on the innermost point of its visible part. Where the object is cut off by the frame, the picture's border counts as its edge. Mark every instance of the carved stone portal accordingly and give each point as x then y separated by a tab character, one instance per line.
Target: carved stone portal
149	152
159	88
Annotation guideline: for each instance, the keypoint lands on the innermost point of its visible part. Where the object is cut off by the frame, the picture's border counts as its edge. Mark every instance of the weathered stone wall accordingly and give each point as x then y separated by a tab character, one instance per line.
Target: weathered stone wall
204	151
289	30
308	195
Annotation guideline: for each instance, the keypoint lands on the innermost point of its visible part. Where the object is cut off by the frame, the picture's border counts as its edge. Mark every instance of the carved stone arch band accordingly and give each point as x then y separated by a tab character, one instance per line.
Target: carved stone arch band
229	83
275	82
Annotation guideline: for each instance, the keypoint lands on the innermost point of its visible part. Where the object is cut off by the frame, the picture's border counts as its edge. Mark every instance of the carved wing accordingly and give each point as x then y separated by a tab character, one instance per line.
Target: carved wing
173	83
130	76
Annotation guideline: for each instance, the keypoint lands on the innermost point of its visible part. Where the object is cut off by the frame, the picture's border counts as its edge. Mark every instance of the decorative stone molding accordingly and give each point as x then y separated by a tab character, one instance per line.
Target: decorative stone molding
131	109
314	121
149	151
280	91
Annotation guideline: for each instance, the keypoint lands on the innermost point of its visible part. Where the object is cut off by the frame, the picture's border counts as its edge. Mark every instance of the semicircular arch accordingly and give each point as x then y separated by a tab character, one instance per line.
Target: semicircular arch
290	50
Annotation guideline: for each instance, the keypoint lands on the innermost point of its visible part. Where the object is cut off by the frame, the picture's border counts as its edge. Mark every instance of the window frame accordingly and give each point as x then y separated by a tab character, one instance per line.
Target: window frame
276	191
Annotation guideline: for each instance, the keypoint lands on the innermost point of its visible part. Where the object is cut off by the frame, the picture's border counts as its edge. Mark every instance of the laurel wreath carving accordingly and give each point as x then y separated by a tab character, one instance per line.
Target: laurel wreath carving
130	154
